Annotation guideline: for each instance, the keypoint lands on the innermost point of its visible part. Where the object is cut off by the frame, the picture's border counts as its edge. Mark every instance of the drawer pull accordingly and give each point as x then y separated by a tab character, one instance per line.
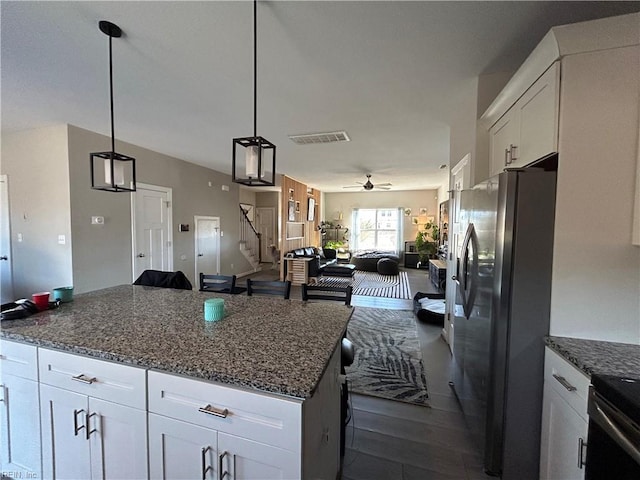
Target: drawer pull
564	383
82	378
214	411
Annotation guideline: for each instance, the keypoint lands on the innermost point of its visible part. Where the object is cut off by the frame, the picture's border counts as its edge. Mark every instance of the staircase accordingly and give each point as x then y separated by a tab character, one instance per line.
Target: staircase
249	241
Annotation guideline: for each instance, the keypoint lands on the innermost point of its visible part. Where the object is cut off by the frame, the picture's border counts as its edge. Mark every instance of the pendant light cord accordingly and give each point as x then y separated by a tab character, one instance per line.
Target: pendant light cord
255	68
113	138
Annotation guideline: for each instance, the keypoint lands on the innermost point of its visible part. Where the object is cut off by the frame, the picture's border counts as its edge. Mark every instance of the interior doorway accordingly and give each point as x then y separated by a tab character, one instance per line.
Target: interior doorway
207	245
266	227
151	219
6	272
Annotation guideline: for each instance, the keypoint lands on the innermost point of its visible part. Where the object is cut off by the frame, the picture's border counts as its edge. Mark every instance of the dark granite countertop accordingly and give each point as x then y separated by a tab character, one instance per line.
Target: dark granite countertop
264	343
594	356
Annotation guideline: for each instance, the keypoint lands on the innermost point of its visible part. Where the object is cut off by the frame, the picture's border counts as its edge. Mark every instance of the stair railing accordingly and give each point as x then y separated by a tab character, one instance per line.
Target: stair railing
249	235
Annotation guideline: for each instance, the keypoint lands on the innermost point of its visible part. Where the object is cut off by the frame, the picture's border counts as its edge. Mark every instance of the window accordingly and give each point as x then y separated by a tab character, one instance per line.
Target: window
377	229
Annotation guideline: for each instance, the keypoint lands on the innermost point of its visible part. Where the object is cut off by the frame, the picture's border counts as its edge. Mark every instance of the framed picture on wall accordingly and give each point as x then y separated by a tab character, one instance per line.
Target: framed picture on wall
414	220
297	206
291	211
311	210
423	210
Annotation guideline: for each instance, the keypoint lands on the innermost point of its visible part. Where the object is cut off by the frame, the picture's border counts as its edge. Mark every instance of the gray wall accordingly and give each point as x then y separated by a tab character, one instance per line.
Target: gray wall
102	254
48	175
35	162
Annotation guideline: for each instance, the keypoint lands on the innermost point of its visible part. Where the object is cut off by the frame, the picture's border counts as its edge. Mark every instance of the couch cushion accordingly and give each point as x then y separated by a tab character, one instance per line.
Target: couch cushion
309	251
299	252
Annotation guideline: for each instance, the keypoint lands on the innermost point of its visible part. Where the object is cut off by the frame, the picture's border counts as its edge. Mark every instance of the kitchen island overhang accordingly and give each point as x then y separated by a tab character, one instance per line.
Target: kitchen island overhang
268	344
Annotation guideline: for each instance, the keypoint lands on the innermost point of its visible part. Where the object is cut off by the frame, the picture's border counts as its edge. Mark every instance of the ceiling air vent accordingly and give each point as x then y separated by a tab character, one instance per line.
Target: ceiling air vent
328	137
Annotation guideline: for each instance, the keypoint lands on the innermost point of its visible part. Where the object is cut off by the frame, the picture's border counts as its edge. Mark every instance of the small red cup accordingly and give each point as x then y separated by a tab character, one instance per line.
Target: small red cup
41	300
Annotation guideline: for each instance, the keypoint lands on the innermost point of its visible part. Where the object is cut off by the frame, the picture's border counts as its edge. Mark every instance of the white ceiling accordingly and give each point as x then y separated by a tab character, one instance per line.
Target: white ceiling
386	72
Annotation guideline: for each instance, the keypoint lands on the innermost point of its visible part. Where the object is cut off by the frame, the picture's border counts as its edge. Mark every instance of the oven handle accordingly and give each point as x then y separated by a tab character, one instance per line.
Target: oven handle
606	418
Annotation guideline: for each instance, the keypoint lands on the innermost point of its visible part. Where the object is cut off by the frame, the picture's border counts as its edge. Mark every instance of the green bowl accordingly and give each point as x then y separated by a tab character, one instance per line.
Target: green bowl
64	294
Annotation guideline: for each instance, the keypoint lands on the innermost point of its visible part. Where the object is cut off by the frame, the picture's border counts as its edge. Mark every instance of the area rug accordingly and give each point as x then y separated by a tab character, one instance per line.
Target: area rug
372	284
388	360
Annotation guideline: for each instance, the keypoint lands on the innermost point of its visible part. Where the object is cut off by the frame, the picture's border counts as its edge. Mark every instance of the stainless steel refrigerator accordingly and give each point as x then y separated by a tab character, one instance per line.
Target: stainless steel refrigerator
503	295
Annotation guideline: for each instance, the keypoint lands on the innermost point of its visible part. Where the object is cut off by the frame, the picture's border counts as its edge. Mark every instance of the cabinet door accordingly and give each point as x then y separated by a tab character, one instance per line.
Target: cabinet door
65	449
502	139
181	450
563	433
537	112
118	441
245	459
20	428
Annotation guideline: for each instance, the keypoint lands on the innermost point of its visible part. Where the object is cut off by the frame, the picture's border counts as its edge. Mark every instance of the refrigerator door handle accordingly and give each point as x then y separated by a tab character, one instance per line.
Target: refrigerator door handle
469	270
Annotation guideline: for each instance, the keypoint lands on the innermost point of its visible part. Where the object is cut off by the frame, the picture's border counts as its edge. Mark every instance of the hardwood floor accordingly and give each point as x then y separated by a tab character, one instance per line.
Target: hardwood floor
390	440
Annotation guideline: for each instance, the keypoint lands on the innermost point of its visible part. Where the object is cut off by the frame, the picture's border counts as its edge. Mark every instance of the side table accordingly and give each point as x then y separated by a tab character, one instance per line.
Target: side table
298	270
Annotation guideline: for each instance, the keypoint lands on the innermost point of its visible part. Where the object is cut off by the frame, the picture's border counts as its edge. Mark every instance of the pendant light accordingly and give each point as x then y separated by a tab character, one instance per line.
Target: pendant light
112	171
255	165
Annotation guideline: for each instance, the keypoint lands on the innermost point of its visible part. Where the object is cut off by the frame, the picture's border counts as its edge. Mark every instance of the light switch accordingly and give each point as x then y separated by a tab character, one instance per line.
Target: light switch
19	237
225	188
62	239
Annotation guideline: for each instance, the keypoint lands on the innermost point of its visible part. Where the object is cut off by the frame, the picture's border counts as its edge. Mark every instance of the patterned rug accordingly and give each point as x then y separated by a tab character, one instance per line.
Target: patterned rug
372	284
388	360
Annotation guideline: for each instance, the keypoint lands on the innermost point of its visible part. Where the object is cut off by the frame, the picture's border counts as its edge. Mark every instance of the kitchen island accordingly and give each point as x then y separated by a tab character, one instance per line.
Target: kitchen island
255	394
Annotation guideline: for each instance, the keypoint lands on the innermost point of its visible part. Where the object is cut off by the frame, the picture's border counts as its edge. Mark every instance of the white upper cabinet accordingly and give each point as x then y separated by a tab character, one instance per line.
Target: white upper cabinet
528	131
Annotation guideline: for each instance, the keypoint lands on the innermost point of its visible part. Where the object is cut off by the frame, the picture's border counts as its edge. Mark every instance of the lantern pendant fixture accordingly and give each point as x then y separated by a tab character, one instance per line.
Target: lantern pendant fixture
256	165
112	171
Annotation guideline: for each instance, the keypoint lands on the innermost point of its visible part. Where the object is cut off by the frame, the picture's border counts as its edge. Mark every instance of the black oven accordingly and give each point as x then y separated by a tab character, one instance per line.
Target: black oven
613	445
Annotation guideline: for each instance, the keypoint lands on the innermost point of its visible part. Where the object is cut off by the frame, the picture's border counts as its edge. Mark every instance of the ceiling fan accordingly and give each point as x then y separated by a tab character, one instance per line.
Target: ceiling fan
370	186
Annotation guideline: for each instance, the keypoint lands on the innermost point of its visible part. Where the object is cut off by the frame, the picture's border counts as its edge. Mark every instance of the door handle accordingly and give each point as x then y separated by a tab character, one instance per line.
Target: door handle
76	428
141	255
221	475
201	254
4	257
205	468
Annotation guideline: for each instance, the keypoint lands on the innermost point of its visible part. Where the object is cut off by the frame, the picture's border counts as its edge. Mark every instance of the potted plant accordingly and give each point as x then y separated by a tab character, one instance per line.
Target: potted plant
427	242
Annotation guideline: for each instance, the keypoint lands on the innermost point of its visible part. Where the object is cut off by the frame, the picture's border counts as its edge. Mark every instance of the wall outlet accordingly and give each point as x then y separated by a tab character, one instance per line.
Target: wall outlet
97	220
225	188
62	239
19	237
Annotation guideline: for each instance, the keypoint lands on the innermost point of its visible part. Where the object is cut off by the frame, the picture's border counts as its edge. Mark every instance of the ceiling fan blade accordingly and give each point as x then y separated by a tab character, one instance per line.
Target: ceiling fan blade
353	186
382	188
384	184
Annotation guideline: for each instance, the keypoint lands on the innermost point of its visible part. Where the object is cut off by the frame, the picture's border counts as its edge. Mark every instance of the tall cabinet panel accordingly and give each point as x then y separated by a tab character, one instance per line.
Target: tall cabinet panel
19	411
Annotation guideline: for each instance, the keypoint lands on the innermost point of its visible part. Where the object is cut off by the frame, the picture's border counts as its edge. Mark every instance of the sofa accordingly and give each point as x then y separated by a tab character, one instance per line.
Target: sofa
321	258
368	260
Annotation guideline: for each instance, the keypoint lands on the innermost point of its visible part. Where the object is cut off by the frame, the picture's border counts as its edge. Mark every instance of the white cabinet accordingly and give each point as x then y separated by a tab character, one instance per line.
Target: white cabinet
89	428
529	129
246	434
20	455
564	420
181	450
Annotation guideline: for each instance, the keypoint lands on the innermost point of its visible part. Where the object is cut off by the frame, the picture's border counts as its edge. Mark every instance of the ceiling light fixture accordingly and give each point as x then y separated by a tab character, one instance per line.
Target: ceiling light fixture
257	167
116	172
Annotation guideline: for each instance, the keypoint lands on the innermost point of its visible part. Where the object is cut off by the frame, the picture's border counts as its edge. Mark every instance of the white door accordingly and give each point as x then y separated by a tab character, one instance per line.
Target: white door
151	217
245	459
207	247
180	450
6	278
20	427
266	226
460	179
65	449
118	440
